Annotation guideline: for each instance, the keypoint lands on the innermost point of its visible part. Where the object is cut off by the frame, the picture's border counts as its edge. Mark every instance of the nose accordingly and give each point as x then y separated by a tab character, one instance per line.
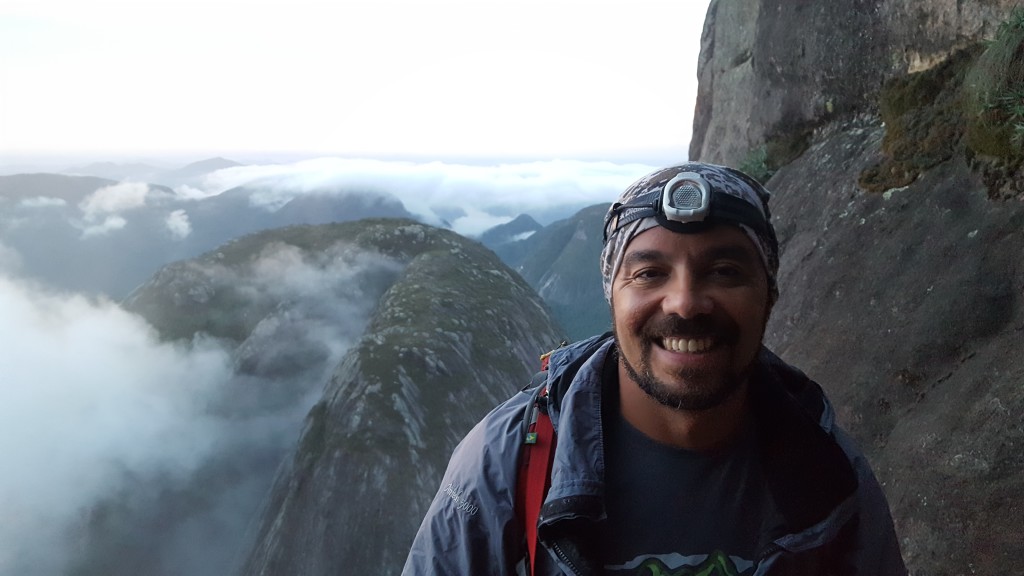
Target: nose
686	298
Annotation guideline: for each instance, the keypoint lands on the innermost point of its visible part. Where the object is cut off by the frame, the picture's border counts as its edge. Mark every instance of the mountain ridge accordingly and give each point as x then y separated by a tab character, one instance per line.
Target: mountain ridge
450	333
378	411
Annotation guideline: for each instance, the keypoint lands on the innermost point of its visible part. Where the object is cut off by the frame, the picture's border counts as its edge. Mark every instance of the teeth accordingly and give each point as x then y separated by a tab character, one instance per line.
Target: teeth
687	345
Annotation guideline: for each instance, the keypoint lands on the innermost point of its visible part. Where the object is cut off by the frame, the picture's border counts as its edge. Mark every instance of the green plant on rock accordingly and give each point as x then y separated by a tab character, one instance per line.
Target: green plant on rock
995	94
1016	19
756	165
1011	104
781	147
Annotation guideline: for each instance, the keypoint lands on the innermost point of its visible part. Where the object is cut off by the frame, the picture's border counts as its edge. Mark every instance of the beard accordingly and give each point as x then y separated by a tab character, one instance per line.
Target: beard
704	389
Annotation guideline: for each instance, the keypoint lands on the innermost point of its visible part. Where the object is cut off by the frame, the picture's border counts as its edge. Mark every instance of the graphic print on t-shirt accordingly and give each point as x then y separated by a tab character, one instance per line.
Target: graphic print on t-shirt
715	564
676	512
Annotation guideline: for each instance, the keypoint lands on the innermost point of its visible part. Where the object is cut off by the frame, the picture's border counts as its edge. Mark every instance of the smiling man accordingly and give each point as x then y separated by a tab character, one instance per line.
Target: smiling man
681	444
689	313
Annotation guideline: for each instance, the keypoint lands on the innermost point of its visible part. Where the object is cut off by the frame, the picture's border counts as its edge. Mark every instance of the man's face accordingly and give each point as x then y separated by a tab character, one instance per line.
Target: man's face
689	312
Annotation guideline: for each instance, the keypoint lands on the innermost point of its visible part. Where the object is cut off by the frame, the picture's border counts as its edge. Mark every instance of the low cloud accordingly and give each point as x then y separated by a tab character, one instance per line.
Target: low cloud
109	224
89	397
186	192
114	199
178	224
488	195
10	260
42	202
98	414
475	222
524	235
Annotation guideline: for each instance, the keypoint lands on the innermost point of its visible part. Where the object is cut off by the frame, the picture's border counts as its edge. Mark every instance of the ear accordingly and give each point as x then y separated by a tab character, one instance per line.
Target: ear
770	305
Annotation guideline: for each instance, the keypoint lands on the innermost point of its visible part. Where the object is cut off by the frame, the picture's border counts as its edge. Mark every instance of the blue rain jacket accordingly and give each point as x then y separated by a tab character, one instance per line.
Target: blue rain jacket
828	515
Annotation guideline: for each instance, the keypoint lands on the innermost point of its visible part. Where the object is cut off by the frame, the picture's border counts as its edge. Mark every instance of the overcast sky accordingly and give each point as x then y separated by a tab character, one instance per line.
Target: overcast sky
285	79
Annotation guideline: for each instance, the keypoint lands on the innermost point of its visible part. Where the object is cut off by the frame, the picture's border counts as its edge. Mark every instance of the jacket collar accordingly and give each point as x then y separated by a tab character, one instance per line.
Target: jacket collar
807	472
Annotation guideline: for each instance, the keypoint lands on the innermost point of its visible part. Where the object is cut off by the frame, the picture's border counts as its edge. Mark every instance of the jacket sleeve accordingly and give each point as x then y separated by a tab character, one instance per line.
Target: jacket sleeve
470	527
876	548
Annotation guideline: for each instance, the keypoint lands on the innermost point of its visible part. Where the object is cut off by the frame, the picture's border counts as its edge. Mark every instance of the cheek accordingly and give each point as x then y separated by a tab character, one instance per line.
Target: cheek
627	315
627	327
619	323
753	320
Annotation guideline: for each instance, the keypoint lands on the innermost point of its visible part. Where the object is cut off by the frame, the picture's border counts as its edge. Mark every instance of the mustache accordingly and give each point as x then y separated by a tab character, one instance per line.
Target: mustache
722	328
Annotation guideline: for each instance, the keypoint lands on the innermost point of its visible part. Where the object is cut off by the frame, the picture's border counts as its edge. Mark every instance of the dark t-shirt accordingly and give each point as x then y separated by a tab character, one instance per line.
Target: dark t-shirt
670	508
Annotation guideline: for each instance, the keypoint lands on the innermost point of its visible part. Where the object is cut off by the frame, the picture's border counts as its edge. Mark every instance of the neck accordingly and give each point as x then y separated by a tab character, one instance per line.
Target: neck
697	430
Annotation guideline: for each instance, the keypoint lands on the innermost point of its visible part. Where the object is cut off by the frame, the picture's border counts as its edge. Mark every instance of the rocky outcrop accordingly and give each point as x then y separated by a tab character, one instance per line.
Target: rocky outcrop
902	245
771	70
906	306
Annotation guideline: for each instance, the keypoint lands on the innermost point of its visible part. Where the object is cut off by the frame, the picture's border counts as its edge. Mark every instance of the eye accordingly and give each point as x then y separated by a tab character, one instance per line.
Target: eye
727	271
729	274
647	275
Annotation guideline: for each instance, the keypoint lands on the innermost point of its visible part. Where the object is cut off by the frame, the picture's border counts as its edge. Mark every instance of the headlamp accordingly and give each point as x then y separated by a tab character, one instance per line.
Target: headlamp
686	201
686	198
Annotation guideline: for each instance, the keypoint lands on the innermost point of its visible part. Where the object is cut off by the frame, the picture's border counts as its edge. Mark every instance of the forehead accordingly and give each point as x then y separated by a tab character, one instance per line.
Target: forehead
717	241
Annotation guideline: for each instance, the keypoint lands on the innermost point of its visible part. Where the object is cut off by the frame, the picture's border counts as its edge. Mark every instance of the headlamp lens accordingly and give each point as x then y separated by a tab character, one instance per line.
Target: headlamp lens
686	195
686	198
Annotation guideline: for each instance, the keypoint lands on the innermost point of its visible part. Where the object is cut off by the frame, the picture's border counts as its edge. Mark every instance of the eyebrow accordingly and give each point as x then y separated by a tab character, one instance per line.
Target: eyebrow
642	257
740	253
735	252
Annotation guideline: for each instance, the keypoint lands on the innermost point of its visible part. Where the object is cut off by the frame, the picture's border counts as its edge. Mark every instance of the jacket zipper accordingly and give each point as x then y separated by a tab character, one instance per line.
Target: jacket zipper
769	550
564	558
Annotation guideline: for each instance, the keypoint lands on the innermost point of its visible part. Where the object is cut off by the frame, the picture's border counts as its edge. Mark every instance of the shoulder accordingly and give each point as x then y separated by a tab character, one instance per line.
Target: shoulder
785	382
833	465
470	526
495	439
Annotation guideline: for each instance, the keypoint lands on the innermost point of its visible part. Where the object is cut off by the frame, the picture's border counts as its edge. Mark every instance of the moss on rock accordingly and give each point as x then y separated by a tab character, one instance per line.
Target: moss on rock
923	120
973	103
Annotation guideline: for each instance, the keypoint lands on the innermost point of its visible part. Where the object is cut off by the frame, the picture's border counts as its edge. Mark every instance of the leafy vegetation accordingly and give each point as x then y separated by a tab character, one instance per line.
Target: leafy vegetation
995	94
780	149
756	165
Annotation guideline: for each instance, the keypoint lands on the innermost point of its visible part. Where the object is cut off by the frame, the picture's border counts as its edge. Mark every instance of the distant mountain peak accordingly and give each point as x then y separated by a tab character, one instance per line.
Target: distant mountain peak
210	164
519	227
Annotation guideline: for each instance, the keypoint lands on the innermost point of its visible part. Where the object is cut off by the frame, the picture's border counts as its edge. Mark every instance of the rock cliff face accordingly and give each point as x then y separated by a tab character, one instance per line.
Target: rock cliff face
902	272
771	70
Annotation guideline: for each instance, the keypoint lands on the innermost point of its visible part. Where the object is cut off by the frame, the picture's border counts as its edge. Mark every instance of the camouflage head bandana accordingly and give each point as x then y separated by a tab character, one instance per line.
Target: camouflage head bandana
723	180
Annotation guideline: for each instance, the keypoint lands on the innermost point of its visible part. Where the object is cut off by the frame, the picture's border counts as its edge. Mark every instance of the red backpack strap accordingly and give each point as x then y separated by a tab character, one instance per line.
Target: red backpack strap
544	360
535	471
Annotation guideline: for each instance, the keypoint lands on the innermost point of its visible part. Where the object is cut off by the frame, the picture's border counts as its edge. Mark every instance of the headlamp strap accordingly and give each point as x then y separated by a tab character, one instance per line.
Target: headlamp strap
724	207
